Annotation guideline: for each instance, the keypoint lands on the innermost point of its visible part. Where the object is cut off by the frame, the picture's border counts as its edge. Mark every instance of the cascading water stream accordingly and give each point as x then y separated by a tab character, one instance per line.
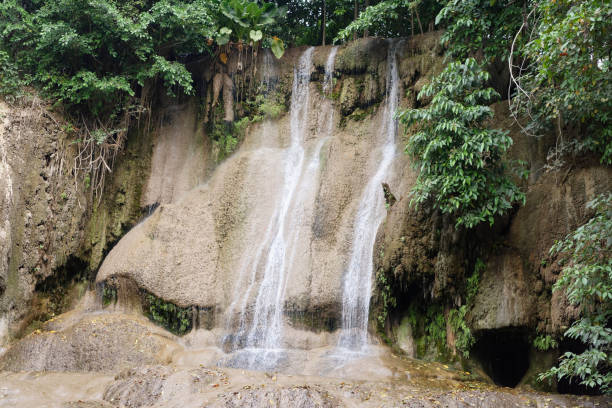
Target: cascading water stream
251	263
262	338
357	288
307	186
267	320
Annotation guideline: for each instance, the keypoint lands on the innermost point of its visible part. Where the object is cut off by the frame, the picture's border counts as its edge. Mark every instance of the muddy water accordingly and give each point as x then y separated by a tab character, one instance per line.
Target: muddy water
380	380
157	369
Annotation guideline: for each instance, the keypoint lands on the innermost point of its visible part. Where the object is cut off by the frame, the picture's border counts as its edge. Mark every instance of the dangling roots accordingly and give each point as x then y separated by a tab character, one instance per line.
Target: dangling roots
98	145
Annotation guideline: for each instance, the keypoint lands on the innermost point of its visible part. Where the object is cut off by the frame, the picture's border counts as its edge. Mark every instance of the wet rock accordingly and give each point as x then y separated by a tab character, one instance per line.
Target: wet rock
505	296
87	404
42	210
362	56
95	342
299	397
137	387
348	96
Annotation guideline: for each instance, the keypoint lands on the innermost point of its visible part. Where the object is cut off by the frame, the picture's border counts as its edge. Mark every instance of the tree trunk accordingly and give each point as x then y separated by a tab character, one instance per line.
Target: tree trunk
366	32
416	11
355	17
323	22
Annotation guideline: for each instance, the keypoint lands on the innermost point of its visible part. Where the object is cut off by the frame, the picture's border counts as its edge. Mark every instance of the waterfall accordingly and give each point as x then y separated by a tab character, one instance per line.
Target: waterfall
357	288
251	263
262	338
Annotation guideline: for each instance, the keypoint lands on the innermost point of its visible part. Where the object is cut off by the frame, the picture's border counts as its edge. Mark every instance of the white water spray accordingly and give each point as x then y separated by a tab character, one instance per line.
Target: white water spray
262	338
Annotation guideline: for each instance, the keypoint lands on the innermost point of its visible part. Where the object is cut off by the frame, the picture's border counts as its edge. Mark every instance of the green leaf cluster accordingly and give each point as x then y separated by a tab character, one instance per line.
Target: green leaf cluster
482	27
176	319
545	342
245	21
94	55
389	18
464	339
460	160
569	80
388	301
587	282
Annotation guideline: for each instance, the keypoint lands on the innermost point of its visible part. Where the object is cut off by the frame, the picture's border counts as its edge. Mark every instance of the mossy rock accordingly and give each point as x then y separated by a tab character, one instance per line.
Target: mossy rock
348	96
361	56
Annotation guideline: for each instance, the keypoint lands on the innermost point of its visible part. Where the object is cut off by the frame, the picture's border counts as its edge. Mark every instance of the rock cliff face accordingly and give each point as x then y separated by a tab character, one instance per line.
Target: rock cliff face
426	260
42	213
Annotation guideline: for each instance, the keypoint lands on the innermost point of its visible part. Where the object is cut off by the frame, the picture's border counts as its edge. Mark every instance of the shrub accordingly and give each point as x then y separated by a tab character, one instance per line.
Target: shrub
587	281
460	161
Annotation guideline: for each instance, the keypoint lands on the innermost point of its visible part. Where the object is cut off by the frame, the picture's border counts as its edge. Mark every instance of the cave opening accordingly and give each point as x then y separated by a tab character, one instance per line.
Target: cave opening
503	354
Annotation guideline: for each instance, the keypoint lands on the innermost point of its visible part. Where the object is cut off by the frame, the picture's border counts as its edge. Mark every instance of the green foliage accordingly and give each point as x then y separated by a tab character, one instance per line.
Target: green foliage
388	301
429	330
371	16
272	110
176	319
109	294
480	26
95	54
304	20
545	342
267	106
246	21
569	81
10	83
435	328
226	136
388	18
587	281
224	139
460	160
464	340
473	282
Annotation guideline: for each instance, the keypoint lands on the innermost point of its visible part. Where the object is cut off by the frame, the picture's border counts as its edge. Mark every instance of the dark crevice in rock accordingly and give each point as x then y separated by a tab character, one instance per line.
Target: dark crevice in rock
55	294
148	210
73	270
315	320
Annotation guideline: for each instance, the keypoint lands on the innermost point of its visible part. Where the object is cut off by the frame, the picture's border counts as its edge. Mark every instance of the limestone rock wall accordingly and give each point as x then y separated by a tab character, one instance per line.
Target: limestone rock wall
428	262
42	212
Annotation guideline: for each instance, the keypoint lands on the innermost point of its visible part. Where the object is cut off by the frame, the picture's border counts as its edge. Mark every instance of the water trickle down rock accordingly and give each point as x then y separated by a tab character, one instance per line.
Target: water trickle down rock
210	247
262	338
357	288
